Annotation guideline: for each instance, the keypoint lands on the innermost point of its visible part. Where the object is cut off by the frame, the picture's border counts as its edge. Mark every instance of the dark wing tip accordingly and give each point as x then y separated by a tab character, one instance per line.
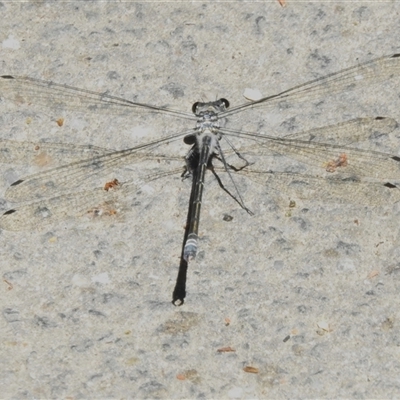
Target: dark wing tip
7	77
19	181
10	212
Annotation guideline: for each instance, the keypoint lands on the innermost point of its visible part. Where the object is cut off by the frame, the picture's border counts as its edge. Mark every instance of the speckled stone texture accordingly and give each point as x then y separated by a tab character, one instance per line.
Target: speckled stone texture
298	301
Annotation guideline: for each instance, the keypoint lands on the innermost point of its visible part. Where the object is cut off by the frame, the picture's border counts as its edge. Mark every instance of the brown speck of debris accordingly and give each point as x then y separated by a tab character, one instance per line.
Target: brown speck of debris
10	285
111	185
182	322
373	274
190	374
41	159
341	161
107	209
226	350
251	370
60	121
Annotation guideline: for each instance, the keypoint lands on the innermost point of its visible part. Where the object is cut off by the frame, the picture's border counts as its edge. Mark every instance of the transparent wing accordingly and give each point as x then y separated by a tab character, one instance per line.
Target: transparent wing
349	132
79	189
329	159
91	204
29	90
26	90
63	192
331	191
347	79
45	154
354	132
89	172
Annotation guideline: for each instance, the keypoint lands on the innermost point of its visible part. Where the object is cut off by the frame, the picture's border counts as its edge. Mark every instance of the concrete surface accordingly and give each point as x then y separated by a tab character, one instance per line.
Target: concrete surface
307	297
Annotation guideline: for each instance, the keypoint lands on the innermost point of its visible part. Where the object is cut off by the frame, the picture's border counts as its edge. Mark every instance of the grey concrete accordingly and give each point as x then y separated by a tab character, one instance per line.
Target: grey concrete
307	296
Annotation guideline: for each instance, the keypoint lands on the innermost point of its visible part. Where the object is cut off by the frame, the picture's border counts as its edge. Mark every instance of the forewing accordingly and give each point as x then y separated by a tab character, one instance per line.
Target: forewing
26	90
373	71
46	154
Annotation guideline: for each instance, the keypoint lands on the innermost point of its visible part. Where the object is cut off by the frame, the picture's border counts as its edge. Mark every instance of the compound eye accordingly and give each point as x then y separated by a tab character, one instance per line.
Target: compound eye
189	139
225	101
194	107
